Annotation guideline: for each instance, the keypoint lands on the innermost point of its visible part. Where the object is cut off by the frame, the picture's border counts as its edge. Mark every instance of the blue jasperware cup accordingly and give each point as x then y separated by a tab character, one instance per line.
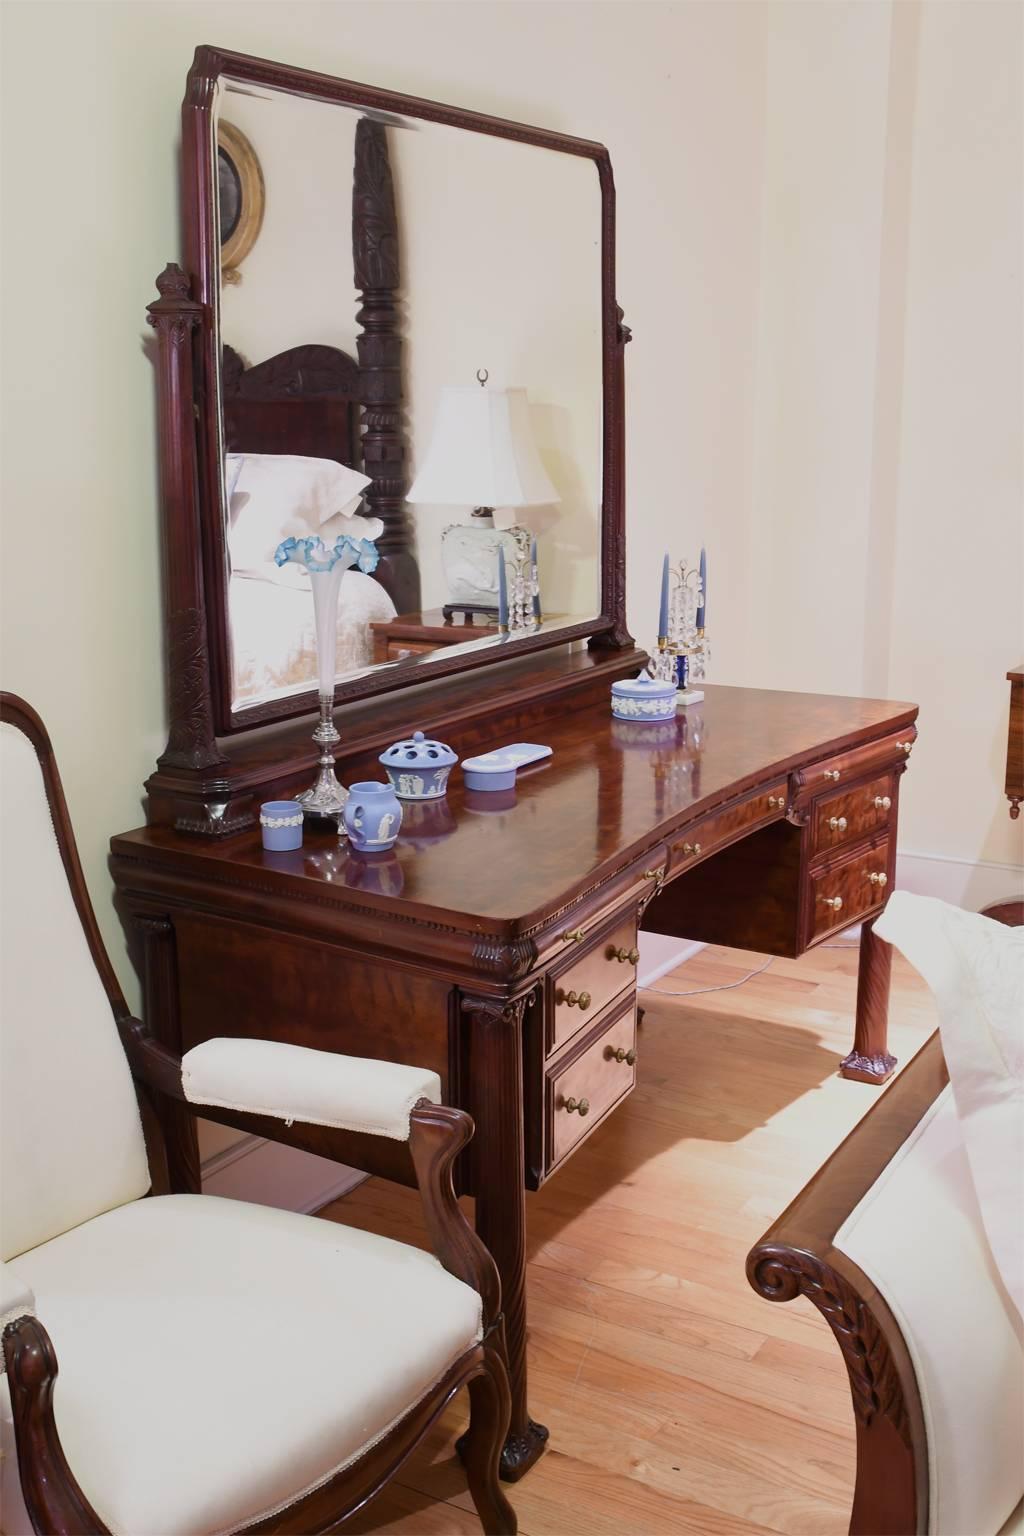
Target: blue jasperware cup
281	825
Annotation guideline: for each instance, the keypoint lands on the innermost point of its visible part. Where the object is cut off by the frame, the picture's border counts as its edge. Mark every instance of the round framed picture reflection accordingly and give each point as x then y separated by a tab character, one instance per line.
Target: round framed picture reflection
240	196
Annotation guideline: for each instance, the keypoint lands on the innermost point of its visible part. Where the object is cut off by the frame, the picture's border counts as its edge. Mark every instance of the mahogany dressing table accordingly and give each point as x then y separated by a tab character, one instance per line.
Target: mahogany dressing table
497	943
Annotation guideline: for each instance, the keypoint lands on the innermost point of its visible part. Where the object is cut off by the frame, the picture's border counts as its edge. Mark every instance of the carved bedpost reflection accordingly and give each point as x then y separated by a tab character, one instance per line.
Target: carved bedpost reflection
375	262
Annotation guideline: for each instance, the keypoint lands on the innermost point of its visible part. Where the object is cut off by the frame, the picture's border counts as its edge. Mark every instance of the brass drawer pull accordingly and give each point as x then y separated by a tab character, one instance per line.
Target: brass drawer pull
837	823
689	848
624	955
629	1057
904	746
834	903
777	800
833	774
878	879
654	874
581	1000
882	802
573	935
580	1106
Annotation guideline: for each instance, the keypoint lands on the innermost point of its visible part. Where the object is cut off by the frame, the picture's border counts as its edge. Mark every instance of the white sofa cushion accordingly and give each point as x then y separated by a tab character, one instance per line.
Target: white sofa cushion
917	1234
71	1141
975	967
217	1359
292	1082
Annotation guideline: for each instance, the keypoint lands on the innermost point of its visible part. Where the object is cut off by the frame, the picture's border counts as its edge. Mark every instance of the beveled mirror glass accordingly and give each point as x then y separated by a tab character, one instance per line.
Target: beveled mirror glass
409	322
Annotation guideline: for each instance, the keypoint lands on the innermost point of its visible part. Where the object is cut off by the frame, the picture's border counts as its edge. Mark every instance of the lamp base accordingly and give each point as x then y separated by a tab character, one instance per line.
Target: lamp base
686	696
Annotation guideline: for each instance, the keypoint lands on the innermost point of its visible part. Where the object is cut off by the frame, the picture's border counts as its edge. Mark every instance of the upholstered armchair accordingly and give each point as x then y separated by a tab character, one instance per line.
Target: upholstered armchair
223	1366
909	1241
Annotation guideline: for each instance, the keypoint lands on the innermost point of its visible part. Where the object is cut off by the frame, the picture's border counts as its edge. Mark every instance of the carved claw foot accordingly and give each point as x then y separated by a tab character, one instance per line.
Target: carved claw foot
868	1069
520	1453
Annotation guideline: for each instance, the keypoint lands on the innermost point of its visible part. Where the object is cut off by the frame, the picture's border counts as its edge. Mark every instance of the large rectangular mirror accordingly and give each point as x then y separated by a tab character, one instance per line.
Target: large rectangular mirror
405	356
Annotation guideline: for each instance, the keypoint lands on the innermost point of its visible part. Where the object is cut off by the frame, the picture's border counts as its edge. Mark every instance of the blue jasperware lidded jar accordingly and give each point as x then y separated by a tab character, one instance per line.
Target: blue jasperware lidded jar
418	768
643	698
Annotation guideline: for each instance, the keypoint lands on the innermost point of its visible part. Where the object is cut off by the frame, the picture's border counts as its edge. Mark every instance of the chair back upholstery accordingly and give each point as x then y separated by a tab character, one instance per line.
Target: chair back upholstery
71	1142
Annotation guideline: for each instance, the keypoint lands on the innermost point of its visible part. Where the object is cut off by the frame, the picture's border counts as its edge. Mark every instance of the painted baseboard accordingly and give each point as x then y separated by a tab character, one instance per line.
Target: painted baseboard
660	954
268	1174
961	882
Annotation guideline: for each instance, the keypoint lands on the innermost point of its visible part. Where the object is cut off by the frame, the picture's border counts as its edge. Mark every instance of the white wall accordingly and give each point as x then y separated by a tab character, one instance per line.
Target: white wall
819	233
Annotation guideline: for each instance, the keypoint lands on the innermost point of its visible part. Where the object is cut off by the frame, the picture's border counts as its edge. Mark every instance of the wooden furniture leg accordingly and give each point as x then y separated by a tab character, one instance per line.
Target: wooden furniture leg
496	1048
870	1061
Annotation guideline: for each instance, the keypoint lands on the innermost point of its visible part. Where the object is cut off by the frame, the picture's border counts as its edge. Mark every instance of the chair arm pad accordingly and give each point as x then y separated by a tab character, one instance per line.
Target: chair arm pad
16	1300
292	1082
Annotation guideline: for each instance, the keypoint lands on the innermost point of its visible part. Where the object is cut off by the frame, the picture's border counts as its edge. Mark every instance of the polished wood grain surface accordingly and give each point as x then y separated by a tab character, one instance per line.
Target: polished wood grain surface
678	1400
606	795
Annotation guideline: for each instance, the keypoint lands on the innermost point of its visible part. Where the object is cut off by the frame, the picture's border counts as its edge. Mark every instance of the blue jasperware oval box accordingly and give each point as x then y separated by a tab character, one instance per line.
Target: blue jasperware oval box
643	698
418	768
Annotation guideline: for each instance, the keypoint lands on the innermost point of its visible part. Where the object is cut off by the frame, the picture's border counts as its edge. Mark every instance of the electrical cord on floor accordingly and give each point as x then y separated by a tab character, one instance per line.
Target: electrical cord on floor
727	986
724	986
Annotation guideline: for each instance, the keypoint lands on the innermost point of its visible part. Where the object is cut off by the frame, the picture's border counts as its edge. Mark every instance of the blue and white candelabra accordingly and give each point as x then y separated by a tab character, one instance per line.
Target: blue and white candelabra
683	649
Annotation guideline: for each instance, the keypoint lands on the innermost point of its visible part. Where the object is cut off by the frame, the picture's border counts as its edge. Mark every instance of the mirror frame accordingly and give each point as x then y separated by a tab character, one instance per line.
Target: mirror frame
202	256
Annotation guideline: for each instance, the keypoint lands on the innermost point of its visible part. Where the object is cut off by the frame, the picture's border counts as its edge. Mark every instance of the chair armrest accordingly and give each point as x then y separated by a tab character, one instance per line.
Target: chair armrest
797	1256
53	1499
434	1134
292	1082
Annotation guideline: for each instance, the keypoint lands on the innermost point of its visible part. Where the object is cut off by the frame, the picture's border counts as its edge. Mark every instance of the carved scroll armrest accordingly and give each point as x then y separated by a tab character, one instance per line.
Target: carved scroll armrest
437	1134
56	1504
797	1257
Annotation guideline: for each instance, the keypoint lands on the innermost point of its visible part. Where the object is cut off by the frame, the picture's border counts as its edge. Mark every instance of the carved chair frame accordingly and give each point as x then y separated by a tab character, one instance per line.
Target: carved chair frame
797	1257
185	317
438	1133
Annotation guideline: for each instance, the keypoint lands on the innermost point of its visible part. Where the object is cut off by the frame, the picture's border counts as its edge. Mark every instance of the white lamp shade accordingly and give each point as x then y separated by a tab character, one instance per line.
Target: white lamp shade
482	453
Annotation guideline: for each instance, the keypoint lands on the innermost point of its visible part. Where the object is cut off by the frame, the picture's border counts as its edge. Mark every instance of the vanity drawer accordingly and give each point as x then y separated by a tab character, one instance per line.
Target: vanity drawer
839	820
844	891
874	755
723	827
576	995
580	1092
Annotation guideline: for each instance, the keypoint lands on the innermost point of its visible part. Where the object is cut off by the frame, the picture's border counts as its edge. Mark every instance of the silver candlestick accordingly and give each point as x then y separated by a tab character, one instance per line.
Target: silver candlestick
326	797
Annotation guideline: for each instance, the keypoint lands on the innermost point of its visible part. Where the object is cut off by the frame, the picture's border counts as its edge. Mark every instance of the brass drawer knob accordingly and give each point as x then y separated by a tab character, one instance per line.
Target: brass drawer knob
777	800
904	746
573	935
689	848
837	823
878	879
629	1057
581	1000
882	802
624	955
834	903
833	774
578	1106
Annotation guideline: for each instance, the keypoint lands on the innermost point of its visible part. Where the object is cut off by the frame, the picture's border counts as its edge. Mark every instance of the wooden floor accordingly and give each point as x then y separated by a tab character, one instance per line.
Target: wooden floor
678	1401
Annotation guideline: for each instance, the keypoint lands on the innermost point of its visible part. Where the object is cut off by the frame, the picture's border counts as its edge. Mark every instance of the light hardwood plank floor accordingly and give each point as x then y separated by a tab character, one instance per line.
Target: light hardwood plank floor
678	1400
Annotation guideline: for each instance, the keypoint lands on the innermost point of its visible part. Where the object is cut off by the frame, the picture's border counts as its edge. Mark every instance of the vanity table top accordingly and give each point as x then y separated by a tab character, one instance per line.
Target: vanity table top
494	864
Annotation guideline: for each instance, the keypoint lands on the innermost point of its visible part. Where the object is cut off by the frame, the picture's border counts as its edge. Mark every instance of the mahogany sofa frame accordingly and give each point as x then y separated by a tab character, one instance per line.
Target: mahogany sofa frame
437	1134
797	1257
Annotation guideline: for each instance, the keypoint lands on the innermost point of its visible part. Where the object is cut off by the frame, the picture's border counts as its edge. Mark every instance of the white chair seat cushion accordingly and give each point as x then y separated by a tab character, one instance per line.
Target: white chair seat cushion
292	1082
918	1235
218	1360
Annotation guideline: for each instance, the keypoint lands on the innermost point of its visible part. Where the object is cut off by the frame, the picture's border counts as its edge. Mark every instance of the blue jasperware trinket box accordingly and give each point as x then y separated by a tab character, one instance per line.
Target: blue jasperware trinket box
418	768
643	698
